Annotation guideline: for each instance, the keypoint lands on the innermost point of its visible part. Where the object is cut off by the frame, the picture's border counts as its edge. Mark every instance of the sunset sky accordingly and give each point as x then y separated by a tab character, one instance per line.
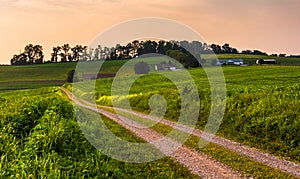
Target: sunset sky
268	25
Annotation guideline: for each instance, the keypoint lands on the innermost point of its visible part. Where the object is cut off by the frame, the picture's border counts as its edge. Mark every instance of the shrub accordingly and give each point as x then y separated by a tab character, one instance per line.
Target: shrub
141	68
72	76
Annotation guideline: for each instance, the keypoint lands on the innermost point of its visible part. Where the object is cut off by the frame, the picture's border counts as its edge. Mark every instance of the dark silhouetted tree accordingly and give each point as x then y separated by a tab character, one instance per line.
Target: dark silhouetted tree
38	54
33	54
216	48
64	56
186	59
54	54
72	76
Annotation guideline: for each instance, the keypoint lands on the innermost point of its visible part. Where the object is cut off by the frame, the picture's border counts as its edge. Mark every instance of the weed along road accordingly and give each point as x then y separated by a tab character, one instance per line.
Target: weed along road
197	162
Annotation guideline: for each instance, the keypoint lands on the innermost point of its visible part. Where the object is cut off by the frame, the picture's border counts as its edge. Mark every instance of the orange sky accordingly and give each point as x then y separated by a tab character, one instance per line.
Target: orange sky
269	25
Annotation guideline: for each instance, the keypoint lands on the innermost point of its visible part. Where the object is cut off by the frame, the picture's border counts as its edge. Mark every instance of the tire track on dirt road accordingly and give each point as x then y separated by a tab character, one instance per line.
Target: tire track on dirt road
261	157
198	163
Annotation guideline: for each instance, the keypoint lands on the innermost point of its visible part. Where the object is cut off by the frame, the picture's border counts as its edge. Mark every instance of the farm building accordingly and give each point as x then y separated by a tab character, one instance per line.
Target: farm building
165	66
266	61
230	62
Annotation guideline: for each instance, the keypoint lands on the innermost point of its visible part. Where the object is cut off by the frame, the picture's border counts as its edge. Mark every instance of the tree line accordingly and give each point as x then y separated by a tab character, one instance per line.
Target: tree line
33	54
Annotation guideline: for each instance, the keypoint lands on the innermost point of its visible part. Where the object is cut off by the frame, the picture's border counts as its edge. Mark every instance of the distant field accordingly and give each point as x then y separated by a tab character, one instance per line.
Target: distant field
251	59
35	76
54	74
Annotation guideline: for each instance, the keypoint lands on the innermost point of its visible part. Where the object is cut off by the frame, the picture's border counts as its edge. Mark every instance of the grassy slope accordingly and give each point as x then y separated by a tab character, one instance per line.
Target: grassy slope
41	75
43	140
261	110
34	76
257	84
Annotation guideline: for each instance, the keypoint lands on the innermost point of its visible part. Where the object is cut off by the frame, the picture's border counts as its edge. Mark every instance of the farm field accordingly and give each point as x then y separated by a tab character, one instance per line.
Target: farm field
40	75
261	106
44	140
235	160
250	59
34	76
41	138
54	74
262	111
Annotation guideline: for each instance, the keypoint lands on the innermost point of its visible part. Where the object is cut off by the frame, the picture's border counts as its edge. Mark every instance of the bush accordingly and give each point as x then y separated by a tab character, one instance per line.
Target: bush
141	68
72	76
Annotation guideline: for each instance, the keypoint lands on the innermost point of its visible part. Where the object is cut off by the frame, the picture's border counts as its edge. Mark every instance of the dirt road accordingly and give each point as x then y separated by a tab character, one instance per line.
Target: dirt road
198	163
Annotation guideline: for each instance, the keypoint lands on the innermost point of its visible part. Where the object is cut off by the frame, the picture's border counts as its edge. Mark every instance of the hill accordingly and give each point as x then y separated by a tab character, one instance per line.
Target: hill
42	75
261	109
54	74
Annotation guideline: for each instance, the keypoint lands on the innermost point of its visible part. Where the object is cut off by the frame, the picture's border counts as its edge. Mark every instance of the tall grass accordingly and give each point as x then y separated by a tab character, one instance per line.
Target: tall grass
40	138
262	108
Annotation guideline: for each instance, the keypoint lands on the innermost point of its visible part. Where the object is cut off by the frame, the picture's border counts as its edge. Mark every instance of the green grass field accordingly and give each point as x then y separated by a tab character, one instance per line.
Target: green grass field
251	59
261	110
52	74
34	76
40	75
41	138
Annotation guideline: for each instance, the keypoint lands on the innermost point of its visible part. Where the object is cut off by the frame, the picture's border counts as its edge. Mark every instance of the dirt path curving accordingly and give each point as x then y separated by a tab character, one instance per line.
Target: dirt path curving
261	157
198	163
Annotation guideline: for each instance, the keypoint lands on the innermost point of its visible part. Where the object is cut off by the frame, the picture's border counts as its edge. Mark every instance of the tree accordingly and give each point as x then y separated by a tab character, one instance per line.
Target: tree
85	55
97	53
226	48
128	51
147	47
38	54
185	44
216	48
54	54
282	55
135	47
77	52
141	68
186	59
72	76
20	59
247	52
65	54
29	52
160	47
258	52
33	54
